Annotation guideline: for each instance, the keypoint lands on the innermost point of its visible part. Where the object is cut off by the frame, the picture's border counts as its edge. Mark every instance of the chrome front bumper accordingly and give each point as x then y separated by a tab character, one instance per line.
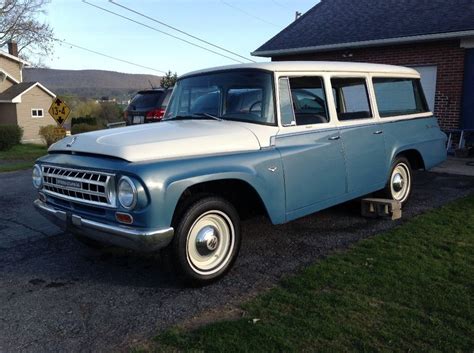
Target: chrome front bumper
145	240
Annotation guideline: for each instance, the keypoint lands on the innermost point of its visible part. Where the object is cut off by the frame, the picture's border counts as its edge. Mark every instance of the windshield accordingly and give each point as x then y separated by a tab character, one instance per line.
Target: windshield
241	95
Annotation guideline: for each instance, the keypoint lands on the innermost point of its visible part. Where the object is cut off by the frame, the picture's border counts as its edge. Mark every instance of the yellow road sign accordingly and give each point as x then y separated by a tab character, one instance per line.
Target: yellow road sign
59	111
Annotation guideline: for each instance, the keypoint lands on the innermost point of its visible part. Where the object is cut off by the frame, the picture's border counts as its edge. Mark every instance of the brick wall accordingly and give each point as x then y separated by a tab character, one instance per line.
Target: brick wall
446	55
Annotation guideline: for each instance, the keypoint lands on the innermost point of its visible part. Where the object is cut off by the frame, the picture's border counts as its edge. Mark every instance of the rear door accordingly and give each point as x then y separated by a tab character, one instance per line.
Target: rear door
309	144
361	134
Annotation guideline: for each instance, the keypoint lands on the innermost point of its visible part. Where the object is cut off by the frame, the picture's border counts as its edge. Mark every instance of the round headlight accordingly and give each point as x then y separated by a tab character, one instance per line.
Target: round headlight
127	193
37	177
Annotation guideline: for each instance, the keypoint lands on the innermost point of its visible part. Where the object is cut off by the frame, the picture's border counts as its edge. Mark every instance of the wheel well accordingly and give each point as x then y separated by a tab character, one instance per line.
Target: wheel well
415	159
241	194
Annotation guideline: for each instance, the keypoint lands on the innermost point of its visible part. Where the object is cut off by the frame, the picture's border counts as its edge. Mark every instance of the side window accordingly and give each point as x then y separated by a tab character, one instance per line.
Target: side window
351	97
307	104
399	96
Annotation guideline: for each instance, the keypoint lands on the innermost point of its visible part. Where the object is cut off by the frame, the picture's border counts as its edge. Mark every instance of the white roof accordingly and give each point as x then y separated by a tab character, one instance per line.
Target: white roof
332	66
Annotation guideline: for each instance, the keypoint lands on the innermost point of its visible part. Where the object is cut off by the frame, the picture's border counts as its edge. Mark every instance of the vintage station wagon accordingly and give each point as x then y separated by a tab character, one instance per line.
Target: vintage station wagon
284	138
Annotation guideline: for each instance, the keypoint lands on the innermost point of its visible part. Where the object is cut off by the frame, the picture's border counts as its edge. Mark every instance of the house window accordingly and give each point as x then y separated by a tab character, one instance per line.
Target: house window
37	113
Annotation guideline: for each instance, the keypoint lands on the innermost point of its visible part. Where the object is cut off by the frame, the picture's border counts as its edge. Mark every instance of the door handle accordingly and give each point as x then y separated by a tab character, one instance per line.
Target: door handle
378	132
332	138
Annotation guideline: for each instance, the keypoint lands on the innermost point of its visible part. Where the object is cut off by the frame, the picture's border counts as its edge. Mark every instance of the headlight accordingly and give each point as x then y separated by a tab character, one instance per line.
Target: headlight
37	177
127	193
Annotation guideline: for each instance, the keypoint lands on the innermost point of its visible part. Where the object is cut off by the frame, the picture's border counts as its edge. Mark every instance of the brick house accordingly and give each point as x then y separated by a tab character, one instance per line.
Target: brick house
435	37
22	103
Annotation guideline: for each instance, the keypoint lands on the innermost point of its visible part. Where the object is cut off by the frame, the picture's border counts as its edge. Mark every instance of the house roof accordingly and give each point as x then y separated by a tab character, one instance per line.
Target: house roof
14	58
304	66
13	94
10	77
338	24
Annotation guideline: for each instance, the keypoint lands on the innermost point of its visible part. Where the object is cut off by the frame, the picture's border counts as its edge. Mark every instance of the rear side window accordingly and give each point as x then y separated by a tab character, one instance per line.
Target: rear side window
399	96
351	98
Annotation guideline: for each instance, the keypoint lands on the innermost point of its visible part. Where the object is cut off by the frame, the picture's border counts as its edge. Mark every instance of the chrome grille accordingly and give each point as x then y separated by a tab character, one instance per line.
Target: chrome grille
83	186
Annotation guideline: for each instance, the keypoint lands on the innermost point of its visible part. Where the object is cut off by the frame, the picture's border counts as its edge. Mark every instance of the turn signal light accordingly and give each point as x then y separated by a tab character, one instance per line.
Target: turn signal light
123	218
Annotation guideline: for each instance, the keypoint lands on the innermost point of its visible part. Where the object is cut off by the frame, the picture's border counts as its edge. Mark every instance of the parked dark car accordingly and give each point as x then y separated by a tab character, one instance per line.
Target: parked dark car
147	106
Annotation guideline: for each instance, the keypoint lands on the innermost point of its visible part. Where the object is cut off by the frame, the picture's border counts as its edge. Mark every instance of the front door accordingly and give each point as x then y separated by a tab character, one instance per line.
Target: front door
310	146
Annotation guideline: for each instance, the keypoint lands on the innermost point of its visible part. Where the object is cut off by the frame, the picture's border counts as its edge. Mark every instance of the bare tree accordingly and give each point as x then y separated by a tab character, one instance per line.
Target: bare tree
19	22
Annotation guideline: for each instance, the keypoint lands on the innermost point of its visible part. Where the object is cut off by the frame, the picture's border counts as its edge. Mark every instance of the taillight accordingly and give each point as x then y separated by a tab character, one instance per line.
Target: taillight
155	114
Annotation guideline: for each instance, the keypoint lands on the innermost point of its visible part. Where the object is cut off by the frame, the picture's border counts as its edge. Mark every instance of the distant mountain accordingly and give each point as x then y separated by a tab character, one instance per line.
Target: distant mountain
91	83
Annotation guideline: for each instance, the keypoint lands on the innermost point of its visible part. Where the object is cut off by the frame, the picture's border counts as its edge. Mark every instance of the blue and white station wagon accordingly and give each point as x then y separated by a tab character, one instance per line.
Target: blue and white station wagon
284	138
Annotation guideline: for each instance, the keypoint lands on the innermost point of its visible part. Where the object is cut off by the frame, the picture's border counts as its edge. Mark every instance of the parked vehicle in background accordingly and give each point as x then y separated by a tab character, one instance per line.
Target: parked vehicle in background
284	138
147	106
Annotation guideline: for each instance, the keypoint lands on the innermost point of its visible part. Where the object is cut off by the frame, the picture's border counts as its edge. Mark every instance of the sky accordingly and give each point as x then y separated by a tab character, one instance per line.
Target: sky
237	25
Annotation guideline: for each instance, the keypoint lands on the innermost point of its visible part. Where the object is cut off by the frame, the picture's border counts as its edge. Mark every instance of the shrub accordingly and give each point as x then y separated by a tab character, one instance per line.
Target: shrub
51	134
10	135
80	128
84	120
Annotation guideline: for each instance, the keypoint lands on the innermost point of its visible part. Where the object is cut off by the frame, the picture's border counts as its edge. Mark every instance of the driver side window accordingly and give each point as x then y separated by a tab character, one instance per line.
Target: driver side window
308	100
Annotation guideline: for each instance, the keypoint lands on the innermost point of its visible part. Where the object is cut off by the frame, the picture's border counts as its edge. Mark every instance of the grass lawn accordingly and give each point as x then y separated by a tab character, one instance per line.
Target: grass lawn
20	156
408	290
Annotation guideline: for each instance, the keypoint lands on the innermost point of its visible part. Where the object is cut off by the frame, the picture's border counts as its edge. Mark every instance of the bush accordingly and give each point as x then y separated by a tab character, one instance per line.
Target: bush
80	128
84	120
10	135
51	134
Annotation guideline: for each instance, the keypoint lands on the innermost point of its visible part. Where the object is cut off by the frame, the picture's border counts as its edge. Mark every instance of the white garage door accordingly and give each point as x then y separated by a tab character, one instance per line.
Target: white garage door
428	81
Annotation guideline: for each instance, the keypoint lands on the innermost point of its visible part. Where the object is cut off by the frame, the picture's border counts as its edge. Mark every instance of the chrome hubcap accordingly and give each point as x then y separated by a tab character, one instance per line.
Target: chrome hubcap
210	242
400	182
207	240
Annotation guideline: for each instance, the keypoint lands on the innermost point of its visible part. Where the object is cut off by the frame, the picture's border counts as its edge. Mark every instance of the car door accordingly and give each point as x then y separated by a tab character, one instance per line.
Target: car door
310	146
361	135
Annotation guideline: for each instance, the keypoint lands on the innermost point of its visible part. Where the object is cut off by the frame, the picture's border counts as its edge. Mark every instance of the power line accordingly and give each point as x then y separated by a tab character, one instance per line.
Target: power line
106	55
160	31
180	31
281	5
249	14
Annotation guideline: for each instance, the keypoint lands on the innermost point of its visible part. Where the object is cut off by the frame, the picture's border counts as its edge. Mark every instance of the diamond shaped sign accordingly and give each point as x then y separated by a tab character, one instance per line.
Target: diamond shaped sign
59	111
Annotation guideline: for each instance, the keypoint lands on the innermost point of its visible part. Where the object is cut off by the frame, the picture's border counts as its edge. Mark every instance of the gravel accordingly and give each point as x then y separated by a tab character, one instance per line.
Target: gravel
57	295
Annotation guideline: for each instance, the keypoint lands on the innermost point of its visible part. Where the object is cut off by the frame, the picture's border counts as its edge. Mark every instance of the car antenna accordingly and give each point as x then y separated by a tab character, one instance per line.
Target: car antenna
151	84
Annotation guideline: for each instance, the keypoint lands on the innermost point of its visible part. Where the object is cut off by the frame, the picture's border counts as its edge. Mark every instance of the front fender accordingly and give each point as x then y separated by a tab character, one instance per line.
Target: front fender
166	181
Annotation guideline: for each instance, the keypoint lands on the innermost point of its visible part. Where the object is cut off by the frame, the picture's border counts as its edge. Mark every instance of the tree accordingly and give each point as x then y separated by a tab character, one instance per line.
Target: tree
19	22
169	80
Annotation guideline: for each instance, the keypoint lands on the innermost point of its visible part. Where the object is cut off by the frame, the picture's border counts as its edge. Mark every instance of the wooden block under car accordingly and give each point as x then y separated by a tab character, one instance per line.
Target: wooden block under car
374	207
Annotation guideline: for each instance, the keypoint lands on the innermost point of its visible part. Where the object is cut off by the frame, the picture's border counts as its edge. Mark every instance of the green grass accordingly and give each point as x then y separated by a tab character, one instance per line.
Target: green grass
21	156
408	290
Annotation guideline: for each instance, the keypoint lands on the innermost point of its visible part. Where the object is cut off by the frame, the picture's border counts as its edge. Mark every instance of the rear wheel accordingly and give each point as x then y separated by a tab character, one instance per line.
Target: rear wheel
207	240
399	184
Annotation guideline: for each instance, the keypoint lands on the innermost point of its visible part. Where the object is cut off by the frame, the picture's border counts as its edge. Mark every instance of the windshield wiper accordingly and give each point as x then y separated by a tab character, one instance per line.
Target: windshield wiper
195	116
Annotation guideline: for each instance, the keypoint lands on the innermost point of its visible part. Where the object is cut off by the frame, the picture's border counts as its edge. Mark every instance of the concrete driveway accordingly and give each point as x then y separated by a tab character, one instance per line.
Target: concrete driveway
58	295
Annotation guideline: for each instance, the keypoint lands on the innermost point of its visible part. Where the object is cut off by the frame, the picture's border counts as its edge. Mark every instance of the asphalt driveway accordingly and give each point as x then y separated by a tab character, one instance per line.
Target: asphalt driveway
58	295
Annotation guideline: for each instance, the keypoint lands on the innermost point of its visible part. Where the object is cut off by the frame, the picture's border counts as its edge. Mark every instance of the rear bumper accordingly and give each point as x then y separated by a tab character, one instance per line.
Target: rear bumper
139	239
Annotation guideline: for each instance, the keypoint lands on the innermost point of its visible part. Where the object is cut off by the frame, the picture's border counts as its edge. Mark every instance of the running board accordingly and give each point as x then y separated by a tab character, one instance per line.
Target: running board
386	208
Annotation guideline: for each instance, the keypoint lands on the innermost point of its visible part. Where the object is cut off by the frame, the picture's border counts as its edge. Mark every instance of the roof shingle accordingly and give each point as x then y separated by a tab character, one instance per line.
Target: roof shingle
334	22
15	90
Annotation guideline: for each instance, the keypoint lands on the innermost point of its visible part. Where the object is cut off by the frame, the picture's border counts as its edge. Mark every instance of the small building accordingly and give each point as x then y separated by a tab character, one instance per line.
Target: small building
23	103
435	37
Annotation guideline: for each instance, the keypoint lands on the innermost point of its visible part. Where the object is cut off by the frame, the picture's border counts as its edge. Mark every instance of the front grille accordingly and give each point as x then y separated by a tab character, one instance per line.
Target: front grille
83	186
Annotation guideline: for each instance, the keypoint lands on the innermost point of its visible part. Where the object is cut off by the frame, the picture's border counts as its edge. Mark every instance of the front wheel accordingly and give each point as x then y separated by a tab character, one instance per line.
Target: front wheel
207	240
399	184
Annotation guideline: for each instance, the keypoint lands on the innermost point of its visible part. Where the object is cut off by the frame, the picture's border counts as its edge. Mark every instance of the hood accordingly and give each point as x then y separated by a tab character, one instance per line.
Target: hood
162	140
